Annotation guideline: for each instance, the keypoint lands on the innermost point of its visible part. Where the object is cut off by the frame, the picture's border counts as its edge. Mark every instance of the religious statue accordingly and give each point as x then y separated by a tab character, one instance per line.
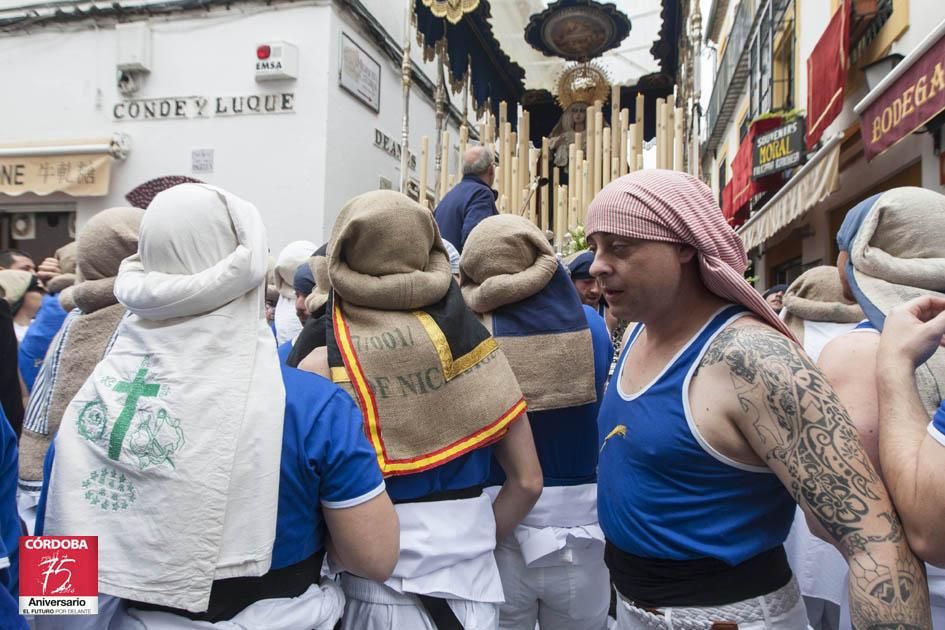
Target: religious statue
572	121
578	88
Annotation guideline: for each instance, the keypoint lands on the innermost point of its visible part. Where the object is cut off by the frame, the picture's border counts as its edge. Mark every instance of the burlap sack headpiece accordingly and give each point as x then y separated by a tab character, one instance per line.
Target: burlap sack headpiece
431	383
318	263
386	254
510	276
66	255
897	253
103	243
817	296
674	207
510	260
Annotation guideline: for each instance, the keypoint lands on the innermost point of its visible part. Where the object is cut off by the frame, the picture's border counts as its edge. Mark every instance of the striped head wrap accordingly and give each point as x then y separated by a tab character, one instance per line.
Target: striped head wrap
674	207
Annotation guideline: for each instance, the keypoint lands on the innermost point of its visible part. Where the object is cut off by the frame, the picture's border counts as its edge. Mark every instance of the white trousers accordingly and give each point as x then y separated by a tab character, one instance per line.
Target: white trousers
571	593
373	606
318	608
782	609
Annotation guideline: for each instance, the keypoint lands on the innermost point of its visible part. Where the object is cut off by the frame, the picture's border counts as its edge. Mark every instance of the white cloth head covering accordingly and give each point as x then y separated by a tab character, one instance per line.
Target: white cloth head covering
453	253
287	321
170	451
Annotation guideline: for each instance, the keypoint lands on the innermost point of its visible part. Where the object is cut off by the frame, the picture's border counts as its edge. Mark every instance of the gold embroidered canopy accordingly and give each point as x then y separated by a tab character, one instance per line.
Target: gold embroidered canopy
452	10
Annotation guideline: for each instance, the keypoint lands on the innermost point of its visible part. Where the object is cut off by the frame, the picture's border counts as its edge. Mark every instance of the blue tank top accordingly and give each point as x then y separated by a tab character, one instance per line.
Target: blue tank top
865	326
663	491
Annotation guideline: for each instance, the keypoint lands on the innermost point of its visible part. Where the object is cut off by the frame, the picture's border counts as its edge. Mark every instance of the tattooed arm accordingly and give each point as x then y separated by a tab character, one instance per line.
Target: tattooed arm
794	421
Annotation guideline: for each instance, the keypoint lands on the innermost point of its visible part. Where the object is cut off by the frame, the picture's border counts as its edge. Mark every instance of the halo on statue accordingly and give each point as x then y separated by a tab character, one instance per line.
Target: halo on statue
582	83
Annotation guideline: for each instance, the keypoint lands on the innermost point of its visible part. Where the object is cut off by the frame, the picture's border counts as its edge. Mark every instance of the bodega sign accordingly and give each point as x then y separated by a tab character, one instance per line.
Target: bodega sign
778	149
908	103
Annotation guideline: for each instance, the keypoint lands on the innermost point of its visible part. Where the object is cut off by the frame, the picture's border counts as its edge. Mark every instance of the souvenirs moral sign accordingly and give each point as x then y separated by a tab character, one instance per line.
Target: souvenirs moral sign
778	149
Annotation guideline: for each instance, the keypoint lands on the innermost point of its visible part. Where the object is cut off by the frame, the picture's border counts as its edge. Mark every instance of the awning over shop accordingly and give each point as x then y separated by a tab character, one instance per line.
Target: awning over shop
827	74
908	97
809	186
80	168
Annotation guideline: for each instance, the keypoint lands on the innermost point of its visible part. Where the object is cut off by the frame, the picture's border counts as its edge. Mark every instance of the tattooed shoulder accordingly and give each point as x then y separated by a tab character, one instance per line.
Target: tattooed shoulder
799	422
795	421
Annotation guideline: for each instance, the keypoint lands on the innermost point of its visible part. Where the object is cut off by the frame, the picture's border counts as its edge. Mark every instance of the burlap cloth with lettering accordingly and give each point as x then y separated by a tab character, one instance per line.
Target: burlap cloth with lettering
108	238
431	382
816	296
511	277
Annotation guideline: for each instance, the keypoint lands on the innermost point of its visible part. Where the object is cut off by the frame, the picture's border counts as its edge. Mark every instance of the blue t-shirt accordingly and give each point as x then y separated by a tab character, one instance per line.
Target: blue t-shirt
10	530
36	342
566	439
284	351
466	471
326	462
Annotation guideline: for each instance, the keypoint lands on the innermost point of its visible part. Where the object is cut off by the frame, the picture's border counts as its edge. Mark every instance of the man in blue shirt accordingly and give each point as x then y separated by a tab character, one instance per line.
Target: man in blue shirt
471	200
552	566
714	425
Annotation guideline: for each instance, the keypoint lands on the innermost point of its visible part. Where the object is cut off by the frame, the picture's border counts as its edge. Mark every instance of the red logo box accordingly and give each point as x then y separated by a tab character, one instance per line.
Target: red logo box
58	574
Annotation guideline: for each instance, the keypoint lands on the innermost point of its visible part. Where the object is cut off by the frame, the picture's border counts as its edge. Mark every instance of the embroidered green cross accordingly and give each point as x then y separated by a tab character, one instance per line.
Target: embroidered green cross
136	389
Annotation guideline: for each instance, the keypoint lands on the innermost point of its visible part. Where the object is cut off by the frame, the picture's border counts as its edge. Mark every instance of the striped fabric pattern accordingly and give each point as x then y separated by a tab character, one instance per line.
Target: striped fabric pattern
675	207
38	406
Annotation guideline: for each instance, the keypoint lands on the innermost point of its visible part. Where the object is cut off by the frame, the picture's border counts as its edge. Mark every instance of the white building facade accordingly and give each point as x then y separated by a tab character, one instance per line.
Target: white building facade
298	148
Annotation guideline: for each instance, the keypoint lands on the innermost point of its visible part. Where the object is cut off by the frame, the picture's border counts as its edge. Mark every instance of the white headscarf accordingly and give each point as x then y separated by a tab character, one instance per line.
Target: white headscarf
287	321
170	451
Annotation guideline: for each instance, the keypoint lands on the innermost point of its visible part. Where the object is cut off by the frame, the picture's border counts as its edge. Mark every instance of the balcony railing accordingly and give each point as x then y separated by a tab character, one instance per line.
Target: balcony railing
868	19
732	74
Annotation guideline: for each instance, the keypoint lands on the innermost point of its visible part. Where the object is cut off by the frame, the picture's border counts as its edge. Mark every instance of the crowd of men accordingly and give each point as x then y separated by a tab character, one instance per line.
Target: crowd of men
433	421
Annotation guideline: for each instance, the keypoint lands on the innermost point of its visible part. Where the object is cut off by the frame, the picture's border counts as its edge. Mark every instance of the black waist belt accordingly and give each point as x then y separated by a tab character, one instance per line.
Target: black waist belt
230	596
447	495
650	583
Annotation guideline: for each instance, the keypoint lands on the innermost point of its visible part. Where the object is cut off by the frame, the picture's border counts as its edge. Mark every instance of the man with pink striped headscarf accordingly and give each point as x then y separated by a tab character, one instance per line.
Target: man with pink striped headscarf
714	425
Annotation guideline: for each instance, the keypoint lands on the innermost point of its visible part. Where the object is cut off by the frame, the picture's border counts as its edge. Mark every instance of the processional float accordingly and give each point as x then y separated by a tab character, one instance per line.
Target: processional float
552	183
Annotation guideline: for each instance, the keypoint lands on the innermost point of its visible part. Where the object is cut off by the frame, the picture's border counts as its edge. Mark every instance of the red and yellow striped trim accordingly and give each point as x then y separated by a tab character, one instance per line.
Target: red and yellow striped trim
487	435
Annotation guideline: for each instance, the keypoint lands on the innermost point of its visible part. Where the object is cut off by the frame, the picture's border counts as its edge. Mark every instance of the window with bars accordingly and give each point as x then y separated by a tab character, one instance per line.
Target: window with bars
869	17
772	59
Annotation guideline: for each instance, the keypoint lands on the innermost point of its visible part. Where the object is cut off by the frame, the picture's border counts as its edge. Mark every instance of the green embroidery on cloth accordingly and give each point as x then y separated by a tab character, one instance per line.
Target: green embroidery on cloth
135	390
148	432
156	437
92	420
109	490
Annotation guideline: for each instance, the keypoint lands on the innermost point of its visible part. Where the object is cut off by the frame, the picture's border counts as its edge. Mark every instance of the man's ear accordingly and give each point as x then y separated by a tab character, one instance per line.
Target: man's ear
686	253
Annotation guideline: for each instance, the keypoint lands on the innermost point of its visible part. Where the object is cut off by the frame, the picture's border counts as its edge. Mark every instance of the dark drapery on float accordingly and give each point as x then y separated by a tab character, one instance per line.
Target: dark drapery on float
470	45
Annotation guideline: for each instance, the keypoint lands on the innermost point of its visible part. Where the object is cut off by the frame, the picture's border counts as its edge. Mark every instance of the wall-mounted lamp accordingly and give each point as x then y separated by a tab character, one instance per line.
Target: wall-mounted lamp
880	68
